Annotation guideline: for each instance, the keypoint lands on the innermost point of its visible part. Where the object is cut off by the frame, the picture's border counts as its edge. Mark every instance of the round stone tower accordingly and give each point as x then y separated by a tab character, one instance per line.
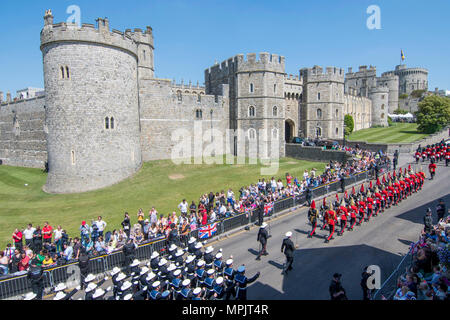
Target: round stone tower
92	113
411	79
391	81
379	96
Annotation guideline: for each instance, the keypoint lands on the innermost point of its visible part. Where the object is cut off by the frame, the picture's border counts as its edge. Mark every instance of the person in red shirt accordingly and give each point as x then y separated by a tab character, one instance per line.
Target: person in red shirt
17	237
432	168
447	157
417	156
47	232
204	218
24	263
288	179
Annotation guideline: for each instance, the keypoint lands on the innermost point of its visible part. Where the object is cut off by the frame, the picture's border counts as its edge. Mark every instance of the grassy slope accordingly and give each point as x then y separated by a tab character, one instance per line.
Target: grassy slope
20	204
399	133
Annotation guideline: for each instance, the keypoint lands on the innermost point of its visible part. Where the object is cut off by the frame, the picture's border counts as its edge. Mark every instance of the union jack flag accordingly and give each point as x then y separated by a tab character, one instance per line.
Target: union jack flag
268	208
208	231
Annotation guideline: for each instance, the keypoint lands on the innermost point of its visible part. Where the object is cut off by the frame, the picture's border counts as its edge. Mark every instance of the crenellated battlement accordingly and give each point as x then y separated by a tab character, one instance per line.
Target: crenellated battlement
318	74
294	78
65	32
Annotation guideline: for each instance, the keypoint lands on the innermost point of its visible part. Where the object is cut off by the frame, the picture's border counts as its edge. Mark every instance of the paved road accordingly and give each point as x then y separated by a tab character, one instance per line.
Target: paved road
383	241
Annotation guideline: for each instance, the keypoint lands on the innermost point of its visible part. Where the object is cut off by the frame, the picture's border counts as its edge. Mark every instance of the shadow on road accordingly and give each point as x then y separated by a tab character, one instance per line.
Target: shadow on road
416	215
308	282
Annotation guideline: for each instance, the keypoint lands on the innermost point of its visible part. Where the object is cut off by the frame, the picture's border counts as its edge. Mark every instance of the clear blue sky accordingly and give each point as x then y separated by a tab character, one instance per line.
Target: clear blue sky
191	34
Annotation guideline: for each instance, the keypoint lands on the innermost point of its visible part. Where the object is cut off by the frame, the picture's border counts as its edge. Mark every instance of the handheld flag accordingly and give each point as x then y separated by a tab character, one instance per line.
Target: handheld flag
268	208
208	231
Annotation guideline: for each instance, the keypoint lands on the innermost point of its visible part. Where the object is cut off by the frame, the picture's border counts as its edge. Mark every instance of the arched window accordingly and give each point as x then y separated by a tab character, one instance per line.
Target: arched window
337	131
289	95
73	157
382	107
319	113
318	131
275	111
67	72
179	95
199	98
251	111
112	123
251	88
337	113
296	96
106	123
199	114
382	116
62	72
252	134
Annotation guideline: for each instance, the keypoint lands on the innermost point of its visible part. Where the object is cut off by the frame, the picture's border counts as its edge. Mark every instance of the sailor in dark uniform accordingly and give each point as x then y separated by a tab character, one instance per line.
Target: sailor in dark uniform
209	284
191	245
89	291
229	274
208	257
179	261
197	294
142	276
118	282
154	261
175	285
162	273
155	293
288	249
190	268
167	295
219	289
186	291
198	252
200	273
170	271
242	281
171	251
61	295
262	238
125	289
141	294
135	267
219	265
99	294
151	277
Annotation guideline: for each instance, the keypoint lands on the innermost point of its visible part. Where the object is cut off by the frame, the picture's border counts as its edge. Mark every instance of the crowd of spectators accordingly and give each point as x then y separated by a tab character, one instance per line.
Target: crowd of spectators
52	245
428	278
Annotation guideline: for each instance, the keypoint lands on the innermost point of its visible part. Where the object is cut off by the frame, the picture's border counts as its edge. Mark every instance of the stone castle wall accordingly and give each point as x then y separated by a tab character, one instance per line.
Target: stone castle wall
22	136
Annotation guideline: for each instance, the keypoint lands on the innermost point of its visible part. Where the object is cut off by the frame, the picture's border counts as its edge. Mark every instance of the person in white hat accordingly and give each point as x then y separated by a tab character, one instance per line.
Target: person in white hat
191	245
209	284
60	295
208	257
30	296
198	252
135	263
219	265
197	293
262	238
229	274
176	283
186	292
200	273
60	287
154	261
118	282
190	267
124	289
89	292
163	270
90	277
98	294
242	281
288	249
179	257
219	289
171	251
114	271
155	294
171	267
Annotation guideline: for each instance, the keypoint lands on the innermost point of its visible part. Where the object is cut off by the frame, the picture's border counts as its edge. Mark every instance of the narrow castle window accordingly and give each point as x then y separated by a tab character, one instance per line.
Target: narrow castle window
275	111
199	114
73	157
252	134
251	111
318	131
337	131
106	123
180	97
62	72
318	96
144	55
67	73
112	123
274	88
251	88
382	116
337	113
199	98
382	107
319	113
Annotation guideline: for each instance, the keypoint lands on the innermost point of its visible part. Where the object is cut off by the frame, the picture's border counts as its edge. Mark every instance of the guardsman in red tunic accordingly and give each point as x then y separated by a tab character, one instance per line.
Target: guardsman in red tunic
343	212
378	198
370	202
432	169
362	210
417	156
331	219
353	211
447	157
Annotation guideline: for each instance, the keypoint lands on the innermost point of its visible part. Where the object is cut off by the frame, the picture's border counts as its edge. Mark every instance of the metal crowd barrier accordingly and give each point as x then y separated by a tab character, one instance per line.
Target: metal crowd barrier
19	285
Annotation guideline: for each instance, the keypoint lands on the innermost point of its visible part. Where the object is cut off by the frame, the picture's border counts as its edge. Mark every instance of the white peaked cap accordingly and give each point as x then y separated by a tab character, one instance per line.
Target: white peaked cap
155	254
219	280
60	295
209	249
288	234
60	287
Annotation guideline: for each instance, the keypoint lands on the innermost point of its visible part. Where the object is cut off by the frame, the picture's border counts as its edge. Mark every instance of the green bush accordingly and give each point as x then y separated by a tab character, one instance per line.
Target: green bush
349	124
390	122
403	96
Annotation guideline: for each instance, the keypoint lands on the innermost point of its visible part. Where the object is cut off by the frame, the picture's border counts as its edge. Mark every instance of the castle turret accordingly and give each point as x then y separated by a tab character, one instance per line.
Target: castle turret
411	79
391	81
145	49
379	96
322	106
92	113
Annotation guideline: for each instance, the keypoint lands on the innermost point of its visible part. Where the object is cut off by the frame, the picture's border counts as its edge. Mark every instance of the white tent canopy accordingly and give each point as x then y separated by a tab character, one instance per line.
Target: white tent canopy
401	116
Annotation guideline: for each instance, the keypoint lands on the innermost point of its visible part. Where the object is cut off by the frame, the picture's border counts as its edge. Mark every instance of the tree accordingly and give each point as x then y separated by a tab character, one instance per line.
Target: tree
400	111
349	124
433	114
403	96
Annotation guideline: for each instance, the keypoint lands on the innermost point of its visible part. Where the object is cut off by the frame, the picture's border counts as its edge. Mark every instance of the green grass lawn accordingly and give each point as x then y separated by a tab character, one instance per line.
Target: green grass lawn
161	184
398	133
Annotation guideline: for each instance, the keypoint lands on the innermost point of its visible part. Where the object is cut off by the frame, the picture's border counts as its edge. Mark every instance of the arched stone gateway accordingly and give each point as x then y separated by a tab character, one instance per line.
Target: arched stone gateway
289	130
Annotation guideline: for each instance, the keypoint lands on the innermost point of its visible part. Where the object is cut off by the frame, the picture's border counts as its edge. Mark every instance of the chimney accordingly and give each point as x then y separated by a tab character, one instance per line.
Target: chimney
48	18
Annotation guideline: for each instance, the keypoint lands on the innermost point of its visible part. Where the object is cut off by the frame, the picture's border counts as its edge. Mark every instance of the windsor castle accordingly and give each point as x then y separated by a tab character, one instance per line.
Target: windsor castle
103	113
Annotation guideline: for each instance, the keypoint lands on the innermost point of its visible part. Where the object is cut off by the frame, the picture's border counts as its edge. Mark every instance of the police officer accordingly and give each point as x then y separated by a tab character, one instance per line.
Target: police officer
337	292
242	281
261	212
129	251
288	248
313	216
262	238
308	195
36	277
229	275
428	221
83	264
441	209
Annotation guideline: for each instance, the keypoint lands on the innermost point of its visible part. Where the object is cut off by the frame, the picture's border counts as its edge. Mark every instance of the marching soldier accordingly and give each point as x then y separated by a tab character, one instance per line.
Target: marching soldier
190	268
154	261
208	257
288	249
186	292
196	294
432	169
353	211
242	281
344	216
209	284
219	289
219	265
324	210
179	262
331	219
176	284
200	273
313	215
262	238
155	294
191	245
